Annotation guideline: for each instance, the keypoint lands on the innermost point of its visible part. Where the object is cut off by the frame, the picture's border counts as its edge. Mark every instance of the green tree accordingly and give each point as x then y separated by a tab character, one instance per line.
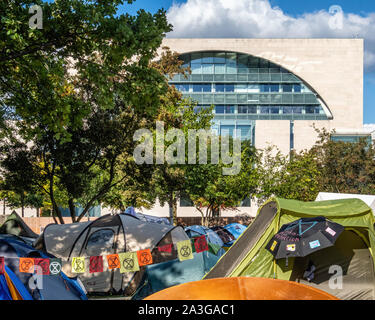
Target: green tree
345	167
53	77
294	176
168	179
211	191
77	91
163	181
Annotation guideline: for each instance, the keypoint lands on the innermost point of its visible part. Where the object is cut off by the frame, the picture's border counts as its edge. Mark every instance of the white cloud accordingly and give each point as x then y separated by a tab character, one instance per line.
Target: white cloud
258	19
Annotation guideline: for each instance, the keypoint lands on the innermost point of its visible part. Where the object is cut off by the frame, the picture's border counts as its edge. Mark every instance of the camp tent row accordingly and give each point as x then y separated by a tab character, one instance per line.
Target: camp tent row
248	256
16	285
106	235
118	233
353	251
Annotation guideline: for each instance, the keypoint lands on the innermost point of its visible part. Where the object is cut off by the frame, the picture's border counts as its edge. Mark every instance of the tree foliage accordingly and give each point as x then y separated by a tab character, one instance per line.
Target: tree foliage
77	90
211	191
86	55
345	167
294	176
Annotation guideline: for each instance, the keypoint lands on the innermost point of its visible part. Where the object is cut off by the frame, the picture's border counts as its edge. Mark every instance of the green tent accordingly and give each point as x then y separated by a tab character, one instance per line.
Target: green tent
16	226
352	255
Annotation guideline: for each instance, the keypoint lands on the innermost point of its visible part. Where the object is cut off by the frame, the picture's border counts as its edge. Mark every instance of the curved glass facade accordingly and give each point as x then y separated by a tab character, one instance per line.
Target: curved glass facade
245	88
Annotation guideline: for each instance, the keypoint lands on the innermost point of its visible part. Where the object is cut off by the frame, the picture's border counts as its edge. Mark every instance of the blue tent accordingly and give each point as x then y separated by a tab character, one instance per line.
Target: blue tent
174	272
236	230
10	279
54	287
171	273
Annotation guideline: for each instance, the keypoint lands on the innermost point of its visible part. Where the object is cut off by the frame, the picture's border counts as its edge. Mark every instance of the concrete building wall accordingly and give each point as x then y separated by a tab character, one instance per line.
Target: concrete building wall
271	132
163	211
305	135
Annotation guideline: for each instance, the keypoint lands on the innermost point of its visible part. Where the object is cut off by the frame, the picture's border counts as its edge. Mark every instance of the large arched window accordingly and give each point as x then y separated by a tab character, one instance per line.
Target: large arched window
245	88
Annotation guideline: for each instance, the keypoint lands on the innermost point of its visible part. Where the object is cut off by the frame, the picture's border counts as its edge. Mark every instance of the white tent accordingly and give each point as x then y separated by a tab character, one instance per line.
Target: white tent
368	199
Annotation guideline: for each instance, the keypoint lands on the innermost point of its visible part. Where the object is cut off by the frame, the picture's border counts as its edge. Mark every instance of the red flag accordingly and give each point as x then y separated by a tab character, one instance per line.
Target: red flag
96	264
41	266
200	244
2	265
166	248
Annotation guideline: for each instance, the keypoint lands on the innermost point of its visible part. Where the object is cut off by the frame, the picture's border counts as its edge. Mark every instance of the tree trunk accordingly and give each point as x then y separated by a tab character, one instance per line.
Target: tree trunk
172	203
23	204
4	207
55	209
72	210
206	218
175	221
202	214
56	213
54	218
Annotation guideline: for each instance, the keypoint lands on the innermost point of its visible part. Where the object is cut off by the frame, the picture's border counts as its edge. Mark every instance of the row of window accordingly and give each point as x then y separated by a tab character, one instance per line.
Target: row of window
254	98
352	139
239	131
208	68
230	59
223	109
240	76
240	88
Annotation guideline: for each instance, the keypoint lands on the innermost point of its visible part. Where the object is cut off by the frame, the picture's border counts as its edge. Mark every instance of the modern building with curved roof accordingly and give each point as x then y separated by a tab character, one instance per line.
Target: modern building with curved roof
274	90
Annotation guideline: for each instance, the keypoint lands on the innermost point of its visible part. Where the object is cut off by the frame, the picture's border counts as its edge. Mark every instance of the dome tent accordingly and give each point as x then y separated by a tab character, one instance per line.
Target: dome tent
106	235
11	288
368	199
353	251
16	226
146	217
214	241
54	287
236	230
174	272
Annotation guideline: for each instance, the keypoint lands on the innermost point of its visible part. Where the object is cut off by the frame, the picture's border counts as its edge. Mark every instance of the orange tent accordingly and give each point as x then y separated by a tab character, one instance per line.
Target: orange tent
241	288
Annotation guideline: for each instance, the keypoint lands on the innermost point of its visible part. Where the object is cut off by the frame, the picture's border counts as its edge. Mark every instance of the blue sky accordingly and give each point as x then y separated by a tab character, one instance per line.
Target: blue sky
296	9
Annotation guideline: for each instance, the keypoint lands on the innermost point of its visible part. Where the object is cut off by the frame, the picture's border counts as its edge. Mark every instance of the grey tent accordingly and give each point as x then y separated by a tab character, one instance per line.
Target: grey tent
16	226
106	235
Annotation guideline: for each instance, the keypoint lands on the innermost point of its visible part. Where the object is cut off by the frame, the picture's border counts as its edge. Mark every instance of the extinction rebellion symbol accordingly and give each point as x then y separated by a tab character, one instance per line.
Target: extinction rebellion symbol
55	267
128	264
113	261
185	251
78	265
26	265
145	258
42	266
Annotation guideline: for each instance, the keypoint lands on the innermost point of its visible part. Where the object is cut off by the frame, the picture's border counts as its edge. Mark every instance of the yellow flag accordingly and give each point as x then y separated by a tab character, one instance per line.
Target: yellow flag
184	250
129	262
78	265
